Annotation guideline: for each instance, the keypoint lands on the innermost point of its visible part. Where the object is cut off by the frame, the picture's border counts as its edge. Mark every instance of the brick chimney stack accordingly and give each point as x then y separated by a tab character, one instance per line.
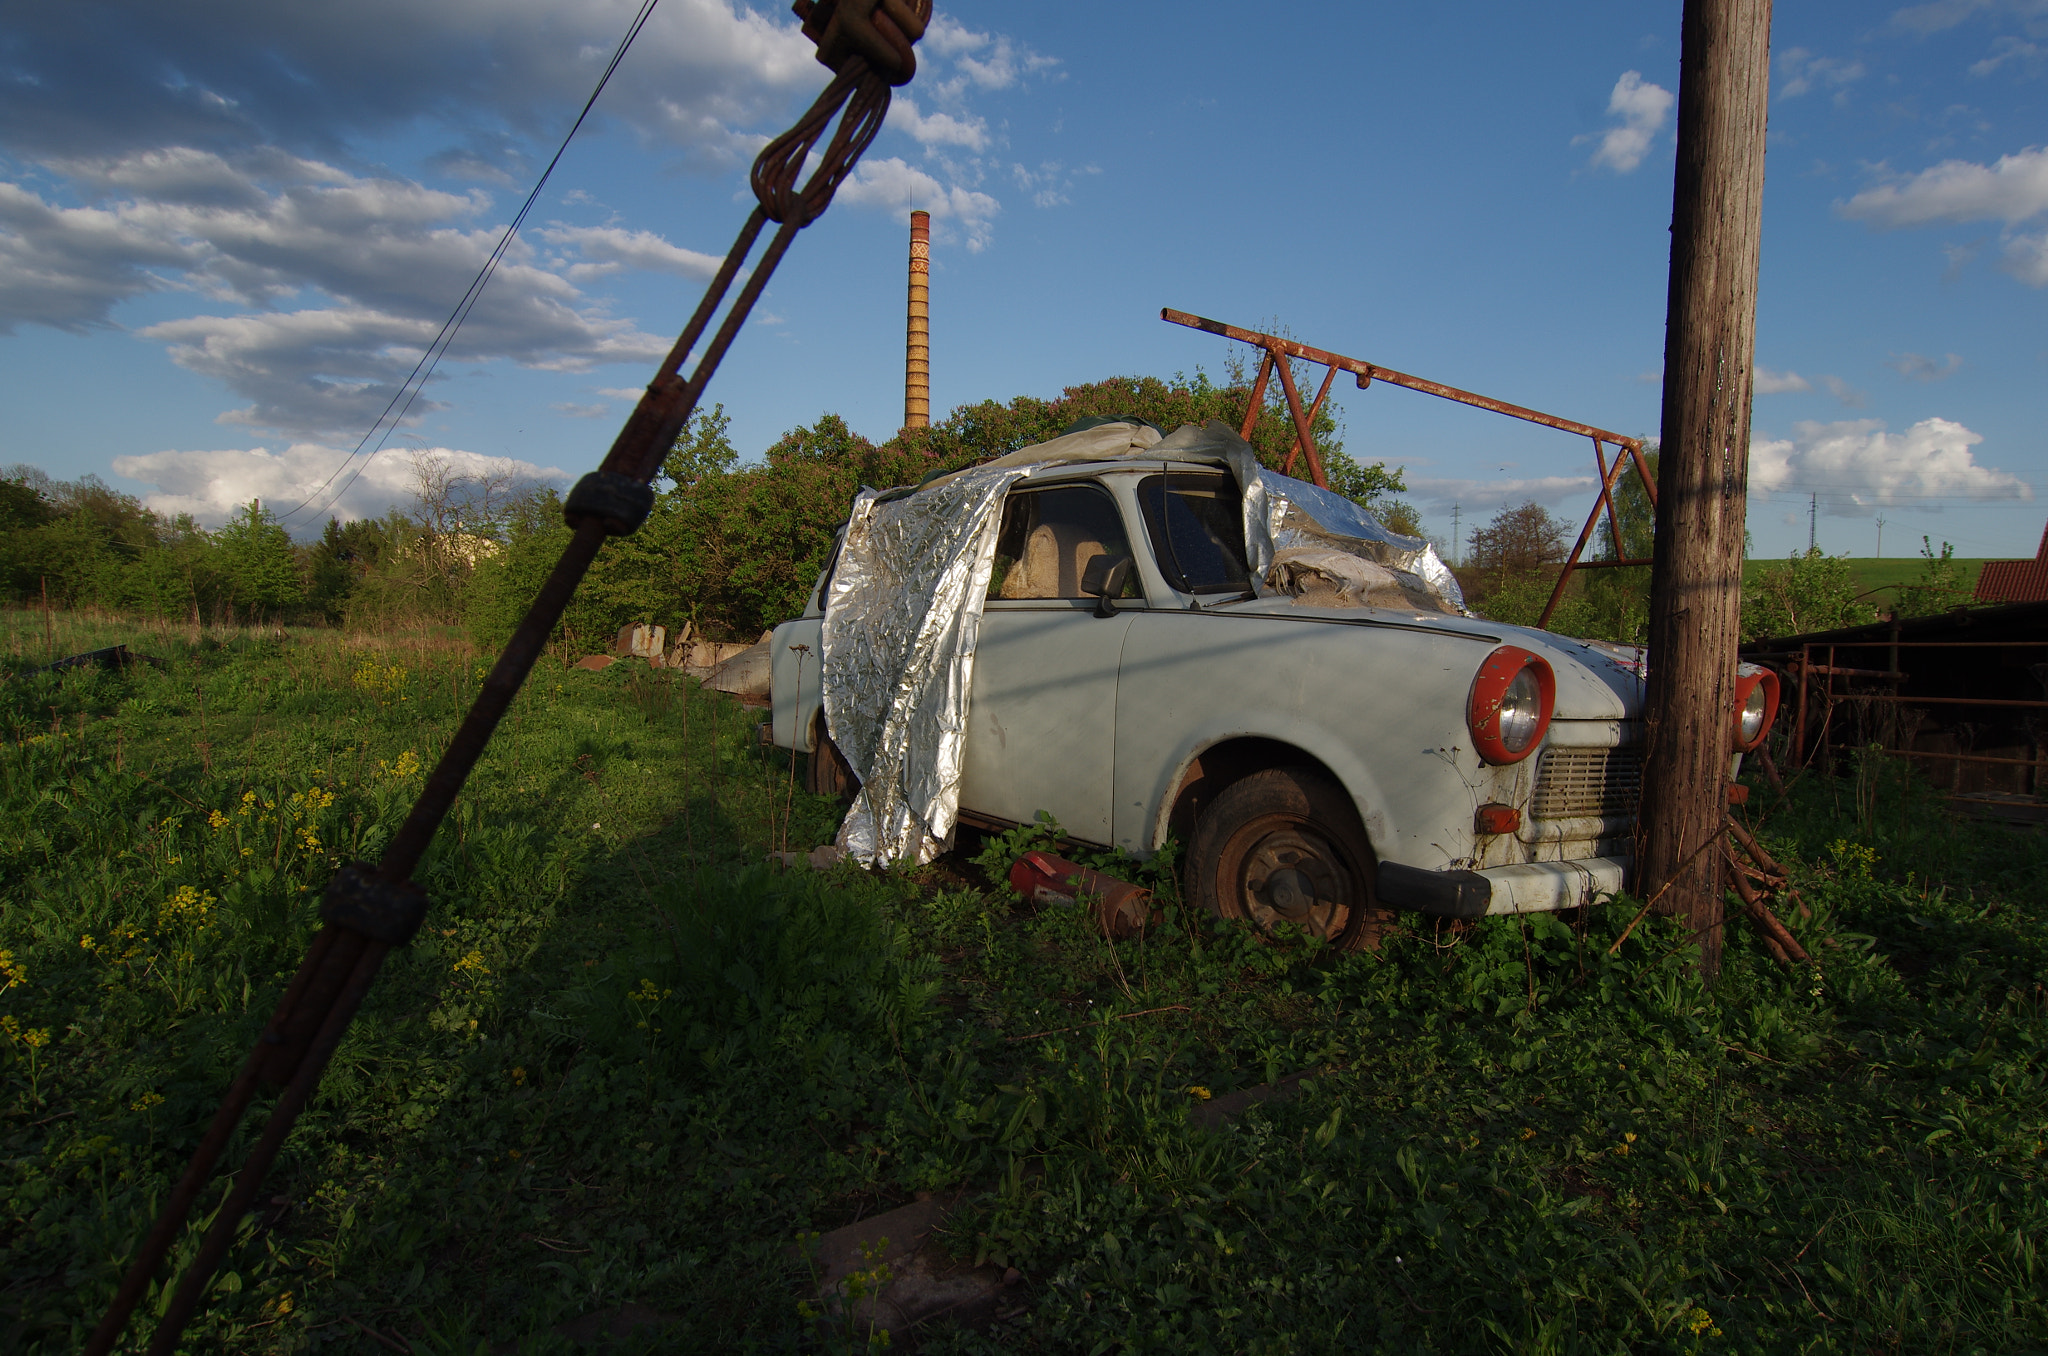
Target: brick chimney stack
917	356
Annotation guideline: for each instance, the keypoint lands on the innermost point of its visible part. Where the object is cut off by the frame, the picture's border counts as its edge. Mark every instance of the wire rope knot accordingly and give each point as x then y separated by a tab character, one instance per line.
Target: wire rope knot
882	31
867	44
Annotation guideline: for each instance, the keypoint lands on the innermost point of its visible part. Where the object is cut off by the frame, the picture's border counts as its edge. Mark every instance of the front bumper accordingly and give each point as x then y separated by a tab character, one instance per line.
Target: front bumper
1526	887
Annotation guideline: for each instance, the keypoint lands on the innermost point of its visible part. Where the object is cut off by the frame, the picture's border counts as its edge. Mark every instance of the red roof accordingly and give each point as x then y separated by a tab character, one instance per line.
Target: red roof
2016	581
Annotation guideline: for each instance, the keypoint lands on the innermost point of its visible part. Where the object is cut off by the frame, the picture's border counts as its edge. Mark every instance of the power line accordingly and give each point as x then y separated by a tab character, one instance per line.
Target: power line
423	370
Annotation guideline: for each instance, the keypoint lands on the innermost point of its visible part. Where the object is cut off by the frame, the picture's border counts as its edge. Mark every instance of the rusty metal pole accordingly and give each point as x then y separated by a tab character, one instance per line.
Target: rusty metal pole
1702	481
917	341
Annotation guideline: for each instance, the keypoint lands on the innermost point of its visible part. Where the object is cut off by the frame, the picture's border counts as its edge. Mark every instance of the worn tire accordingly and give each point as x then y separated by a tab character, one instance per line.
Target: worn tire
1286	845
826	771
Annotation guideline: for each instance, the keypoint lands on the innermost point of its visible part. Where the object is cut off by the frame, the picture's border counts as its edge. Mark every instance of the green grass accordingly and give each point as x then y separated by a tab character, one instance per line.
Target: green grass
626	1062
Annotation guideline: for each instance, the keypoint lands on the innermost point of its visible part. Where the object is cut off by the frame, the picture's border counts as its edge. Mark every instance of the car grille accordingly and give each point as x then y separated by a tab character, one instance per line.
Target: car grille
1587	784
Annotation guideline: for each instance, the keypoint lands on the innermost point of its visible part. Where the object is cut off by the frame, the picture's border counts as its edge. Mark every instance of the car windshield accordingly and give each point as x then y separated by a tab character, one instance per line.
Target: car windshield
1196	520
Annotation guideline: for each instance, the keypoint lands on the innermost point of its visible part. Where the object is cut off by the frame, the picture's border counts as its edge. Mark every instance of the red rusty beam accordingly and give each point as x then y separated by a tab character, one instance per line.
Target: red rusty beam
1369	372
1329	379
1251	411
1301	429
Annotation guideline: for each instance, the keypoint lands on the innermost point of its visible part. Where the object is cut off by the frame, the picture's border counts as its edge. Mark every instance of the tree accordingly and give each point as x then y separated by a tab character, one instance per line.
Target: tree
1519	541
258	567
1807	591
1939	587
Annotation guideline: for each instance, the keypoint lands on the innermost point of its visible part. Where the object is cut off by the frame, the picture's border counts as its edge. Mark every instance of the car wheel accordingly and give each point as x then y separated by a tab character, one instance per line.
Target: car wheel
826	771
1285	845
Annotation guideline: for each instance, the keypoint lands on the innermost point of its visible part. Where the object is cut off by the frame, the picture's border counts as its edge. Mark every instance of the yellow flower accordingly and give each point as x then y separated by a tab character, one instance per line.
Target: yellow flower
518	1077
12	971
1528	1132
217	821
188	906
472	964
146	1101
1200	1094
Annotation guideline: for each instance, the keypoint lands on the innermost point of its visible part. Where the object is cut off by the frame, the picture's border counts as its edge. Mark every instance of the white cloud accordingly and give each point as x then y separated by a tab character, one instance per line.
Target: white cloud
1843	391
937	129
367	267
1916	367
2026	258
610	248
892	184
2012	189
1802	71
1938	15
212	485
702	76
632	393
575	411
2008	48
989	61
1442	492
1642	109
1776	383
1855	464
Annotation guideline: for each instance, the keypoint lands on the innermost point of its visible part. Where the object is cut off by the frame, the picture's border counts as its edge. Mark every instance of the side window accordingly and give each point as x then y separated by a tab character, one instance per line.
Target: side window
1049	536
1196	522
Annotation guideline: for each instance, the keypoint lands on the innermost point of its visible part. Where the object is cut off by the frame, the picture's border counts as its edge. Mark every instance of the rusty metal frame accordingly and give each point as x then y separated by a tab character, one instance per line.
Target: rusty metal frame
1815	687
1275	352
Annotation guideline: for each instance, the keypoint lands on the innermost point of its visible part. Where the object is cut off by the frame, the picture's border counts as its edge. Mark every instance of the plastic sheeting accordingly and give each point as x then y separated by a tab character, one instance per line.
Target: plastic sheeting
903	610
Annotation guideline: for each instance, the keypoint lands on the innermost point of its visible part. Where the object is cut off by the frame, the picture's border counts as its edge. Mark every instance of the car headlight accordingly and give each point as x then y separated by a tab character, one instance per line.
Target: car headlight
1756	705
1512	698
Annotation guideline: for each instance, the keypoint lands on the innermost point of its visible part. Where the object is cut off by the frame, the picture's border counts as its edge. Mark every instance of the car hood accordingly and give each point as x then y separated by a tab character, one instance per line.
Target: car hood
1596	680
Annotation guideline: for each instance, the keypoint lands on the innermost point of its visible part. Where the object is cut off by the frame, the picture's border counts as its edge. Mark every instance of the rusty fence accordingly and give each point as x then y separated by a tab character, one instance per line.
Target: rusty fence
1952	708
1277	355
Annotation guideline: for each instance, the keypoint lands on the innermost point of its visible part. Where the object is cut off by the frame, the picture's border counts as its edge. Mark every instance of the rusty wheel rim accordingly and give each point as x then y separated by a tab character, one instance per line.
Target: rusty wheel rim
1278	869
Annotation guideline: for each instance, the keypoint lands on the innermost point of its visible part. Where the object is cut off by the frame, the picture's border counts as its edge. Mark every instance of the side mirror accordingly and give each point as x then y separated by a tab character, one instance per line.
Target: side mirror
1103	579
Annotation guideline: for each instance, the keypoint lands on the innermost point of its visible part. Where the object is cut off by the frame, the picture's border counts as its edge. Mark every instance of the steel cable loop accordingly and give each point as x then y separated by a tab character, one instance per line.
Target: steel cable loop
368	911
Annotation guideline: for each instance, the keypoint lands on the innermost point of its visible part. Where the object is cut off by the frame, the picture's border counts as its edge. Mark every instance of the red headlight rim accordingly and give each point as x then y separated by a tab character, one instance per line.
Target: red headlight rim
1482	712
1744	685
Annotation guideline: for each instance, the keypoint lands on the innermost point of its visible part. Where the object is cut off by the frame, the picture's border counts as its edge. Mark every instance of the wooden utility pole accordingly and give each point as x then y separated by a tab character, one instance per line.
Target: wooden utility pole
1703	476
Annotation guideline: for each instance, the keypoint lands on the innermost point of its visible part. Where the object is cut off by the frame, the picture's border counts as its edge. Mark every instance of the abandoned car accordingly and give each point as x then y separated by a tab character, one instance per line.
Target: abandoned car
1150	638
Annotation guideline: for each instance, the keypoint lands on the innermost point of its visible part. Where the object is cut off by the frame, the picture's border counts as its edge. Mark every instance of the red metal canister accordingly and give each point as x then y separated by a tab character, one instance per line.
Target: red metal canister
1120	908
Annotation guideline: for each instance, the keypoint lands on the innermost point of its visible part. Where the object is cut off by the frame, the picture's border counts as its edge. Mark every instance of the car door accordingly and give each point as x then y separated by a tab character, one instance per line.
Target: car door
1041	718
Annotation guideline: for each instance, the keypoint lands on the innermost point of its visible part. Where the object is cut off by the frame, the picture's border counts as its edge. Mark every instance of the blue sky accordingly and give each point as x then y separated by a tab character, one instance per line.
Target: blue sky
226	231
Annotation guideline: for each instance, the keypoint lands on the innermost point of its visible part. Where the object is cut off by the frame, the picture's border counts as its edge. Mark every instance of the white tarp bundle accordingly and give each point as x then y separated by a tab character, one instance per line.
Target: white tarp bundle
903	610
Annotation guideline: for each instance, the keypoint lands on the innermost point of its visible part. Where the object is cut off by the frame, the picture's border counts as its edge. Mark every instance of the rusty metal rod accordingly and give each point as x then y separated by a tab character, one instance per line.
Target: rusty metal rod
1932	757
1252	411
1368	372
192	1286
1301	428
164	1232
1314	409
1906	700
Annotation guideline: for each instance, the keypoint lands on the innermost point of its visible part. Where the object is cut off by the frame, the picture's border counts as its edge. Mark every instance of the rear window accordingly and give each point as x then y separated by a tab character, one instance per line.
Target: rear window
1196	521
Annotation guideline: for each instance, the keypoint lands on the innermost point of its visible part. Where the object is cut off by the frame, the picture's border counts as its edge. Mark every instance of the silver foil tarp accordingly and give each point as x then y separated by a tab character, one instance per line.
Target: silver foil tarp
901	620
903	611
1282	514
902	616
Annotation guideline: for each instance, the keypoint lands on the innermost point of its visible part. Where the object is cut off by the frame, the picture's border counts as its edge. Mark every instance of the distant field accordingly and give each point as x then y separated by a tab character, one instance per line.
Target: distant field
1874	572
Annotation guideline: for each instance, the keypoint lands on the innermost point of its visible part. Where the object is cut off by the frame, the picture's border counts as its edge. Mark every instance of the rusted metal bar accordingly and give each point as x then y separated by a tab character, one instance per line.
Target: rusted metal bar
1329	379
1251	411
1301	428
1799	731
1368	372
1906	699
1934	757
1612	564
1778	939
1606	497
1585	533
1838	670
